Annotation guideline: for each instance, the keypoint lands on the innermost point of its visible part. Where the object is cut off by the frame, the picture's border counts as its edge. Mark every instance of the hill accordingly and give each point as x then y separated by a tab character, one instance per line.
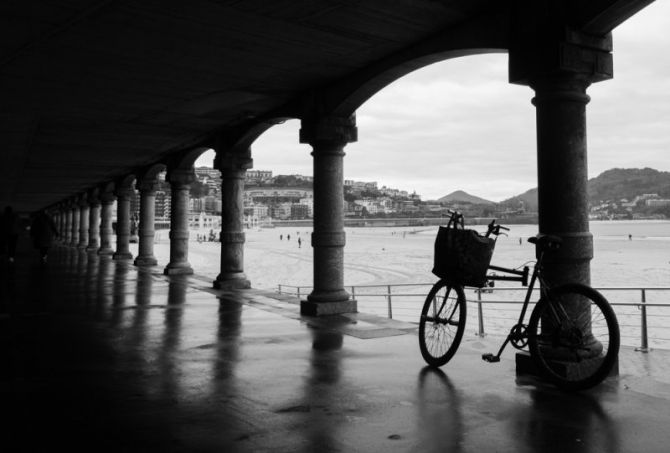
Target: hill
463	197
618	183
528	200
611	185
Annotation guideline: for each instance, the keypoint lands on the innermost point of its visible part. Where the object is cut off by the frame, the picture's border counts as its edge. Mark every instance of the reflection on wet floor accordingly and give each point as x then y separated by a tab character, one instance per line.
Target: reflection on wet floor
101	356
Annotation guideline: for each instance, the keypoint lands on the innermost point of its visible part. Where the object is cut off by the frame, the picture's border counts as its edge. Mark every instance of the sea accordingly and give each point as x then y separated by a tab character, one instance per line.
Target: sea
631	265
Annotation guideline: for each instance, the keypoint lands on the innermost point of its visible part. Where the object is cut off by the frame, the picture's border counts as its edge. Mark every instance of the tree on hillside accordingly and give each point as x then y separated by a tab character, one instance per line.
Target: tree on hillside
290	181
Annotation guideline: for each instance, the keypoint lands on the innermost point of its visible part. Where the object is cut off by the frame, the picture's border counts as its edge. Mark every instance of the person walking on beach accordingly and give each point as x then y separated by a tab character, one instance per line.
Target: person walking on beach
299	242
10	233
43	231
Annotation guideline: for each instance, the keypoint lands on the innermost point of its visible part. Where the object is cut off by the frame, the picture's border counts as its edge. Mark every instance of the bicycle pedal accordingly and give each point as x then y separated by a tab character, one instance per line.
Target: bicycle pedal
490	358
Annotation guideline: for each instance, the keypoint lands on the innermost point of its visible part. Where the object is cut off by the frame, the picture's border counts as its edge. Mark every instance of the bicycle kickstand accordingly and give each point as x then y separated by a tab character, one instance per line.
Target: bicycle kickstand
489	357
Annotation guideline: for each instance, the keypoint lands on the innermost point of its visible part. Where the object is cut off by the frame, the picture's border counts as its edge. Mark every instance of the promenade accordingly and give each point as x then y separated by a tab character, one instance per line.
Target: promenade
98	355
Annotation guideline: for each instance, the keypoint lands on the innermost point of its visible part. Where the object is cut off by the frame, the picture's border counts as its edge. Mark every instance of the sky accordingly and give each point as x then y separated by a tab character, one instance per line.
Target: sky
460	125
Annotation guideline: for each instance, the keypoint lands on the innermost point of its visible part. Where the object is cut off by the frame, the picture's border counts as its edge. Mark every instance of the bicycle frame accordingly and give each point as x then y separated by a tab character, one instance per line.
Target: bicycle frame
518	335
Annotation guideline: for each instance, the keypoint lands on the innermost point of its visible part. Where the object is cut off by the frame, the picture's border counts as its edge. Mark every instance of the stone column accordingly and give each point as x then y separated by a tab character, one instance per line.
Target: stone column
123	197
61	224
84	220
559	63
560	103
68	225
145	255
328	137
93	225
74	241
233	169
180	183
106	231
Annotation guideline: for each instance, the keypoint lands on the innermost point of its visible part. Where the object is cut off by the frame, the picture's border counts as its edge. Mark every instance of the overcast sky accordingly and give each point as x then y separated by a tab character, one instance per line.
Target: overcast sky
459	125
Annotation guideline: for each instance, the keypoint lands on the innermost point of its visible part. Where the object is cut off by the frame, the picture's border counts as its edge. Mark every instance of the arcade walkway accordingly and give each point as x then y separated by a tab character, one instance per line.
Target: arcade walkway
100	356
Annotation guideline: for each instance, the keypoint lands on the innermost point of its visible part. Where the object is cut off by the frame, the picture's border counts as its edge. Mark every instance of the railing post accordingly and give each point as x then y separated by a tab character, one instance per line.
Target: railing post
353	292
480	312
388	298
644	346
298	291
279	289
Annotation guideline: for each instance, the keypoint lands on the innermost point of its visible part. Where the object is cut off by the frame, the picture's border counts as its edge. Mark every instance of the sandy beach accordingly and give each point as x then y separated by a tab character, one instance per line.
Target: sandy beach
403	256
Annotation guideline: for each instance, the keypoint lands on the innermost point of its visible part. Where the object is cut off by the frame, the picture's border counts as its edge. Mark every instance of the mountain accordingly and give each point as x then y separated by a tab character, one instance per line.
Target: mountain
611	185
463	197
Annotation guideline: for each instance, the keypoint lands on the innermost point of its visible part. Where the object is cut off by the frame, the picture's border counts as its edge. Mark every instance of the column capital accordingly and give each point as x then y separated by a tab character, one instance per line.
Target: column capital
230	161
181	177
107	197
147	186
550	51
83	201
338	130
124	188
93	197
124	193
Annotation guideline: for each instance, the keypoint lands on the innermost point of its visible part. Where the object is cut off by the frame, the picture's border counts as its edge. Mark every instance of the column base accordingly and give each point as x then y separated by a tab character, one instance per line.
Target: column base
237	282
105	252
145	261
122	256
525	366
92	249
180	269
312	308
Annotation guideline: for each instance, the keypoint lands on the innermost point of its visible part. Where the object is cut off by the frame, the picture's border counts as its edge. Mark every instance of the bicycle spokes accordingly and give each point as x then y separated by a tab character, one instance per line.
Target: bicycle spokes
574	336
442	323
446	304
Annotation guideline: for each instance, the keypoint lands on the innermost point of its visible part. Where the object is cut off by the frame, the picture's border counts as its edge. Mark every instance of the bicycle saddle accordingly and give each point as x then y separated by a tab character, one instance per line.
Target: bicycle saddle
546	241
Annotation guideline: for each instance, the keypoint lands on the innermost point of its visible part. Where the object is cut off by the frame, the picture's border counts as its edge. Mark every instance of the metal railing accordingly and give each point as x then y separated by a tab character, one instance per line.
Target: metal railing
404	302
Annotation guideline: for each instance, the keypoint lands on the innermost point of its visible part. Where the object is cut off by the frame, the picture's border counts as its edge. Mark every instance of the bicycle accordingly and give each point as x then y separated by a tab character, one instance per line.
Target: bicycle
572	333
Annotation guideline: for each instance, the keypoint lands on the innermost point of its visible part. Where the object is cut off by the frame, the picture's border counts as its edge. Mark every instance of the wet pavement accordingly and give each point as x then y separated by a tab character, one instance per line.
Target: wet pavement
100	356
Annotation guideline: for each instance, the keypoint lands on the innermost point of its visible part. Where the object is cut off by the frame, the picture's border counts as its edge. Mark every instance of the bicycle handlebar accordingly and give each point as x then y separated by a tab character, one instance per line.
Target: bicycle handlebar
494	228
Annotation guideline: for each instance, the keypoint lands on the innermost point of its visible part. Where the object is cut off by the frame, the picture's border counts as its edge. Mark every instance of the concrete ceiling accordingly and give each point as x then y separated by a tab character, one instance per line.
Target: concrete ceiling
94	90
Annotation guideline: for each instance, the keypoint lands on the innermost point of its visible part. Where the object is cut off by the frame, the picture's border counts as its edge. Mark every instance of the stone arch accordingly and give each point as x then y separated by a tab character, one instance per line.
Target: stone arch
125	181
237	142
185	160
93	194
151	172
106	188
486	35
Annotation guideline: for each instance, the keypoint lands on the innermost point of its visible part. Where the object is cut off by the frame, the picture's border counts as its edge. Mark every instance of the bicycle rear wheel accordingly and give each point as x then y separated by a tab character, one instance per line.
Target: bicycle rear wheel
442	323
573	337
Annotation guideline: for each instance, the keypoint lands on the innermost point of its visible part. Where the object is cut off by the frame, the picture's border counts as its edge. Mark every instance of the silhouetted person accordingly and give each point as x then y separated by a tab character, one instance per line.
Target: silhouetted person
10	233
299	242
42	231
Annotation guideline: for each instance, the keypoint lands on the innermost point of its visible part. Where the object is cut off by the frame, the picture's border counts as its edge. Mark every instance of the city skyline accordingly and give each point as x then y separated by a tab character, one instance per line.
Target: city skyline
459	124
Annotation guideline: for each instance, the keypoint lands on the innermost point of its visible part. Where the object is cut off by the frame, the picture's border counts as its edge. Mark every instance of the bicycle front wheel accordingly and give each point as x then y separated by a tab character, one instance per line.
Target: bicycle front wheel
573	337
442	323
